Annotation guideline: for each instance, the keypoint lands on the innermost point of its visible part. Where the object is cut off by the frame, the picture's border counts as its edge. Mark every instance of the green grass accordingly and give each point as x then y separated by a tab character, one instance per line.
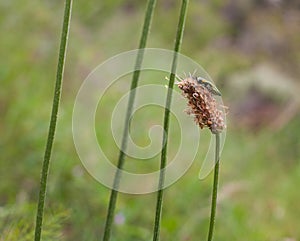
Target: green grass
259	197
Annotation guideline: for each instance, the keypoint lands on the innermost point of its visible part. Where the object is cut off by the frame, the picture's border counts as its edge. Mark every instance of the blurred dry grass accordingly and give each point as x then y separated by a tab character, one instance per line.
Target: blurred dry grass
232	40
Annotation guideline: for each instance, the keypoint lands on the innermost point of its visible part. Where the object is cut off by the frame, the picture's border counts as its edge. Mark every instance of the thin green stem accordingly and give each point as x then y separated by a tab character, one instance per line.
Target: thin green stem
163	162
215	190
134	83
53	120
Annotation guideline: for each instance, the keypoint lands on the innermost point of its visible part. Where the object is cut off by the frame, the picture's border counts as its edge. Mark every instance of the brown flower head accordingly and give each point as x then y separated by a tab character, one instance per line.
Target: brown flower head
202	105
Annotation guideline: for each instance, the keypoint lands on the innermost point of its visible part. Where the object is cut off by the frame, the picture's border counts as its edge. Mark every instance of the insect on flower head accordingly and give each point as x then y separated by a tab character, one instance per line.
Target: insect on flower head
208	85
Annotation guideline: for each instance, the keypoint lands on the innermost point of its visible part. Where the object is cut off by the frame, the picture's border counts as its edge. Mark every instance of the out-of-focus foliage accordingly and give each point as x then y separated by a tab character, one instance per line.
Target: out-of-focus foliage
232	40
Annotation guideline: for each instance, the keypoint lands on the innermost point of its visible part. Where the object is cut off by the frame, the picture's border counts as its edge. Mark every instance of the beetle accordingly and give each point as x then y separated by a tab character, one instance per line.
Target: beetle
208	85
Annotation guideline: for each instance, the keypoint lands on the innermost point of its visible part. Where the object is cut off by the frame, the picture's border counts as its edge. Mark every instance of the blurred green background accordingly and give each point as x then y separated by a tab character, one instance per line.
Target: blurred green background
251	50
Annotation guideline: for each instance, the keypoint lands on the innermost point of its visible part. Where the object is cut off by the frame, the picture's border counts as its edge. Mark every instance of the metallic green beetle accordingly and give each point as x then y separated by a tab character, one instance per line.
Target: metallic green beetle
208	85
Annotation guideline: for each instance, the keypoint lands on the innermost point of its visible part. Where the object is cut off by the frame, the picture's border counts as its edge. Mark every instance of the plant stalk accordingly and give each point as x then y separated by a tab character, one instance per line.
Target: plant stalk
178	41
134	83
215	190
53	119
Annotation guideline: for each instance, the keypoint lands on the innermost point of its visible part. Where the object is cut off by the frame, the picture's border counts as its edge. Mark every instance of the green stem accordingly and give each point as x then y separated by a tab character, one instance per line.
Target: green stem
215	190
53	120
163	162
134	83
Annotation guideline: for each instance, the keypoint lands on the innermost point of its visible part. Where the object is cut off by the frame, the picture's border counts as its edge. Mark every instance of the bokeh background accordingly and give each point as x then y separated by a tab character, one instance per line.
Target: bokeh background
250	48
